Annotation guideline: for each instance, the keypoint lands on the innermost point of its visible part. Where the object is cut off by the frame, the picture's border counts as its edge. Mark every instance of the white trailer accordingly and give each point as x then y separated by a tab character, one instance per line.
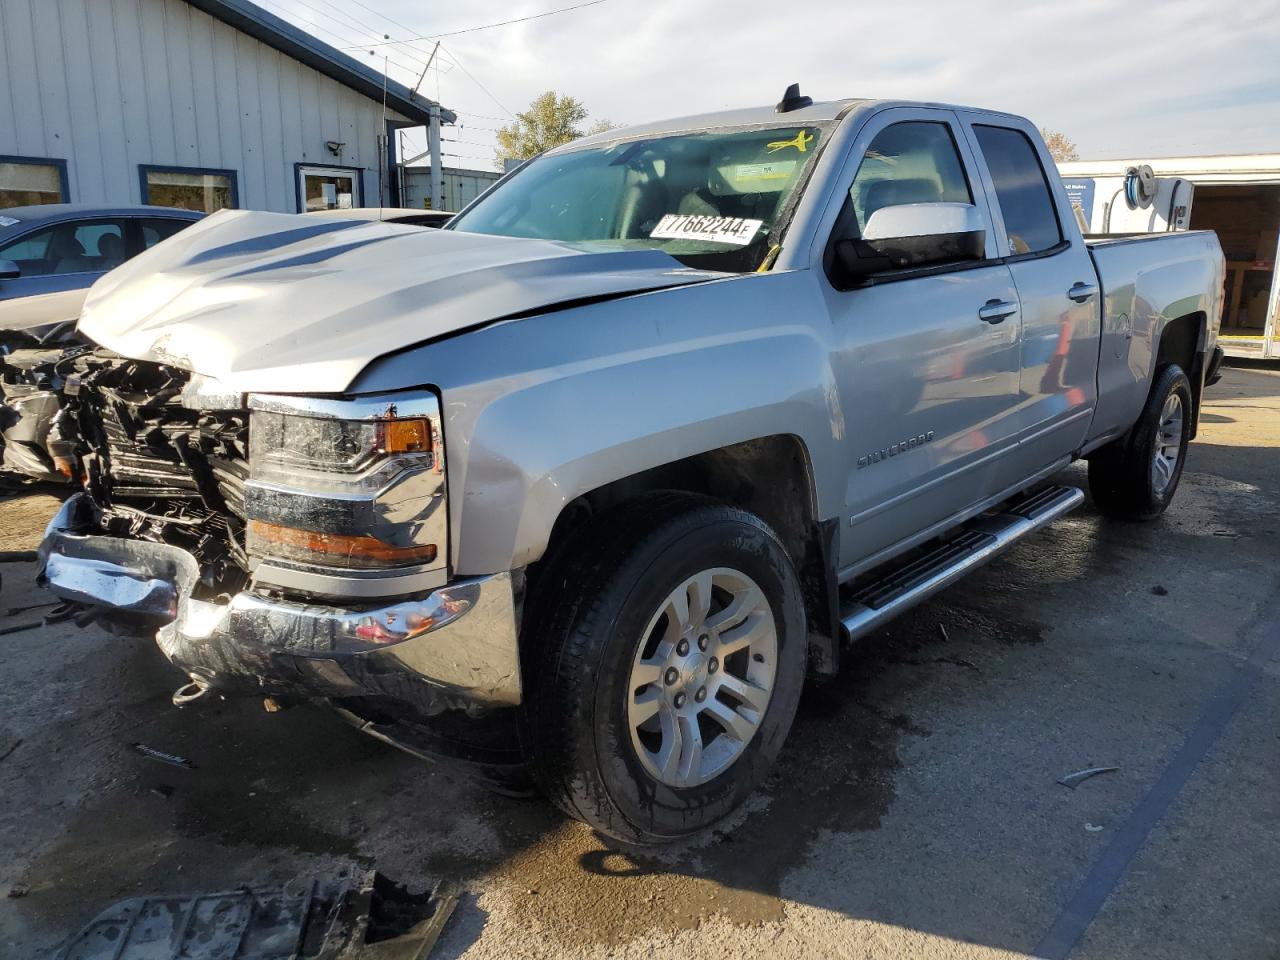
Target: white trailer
1237	196
459	186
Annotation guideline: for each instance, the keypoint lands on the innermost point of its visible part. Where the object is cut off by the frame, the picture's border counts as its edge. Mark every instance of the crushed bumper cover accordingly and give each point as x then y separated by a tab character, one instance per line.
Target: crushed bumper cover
454	647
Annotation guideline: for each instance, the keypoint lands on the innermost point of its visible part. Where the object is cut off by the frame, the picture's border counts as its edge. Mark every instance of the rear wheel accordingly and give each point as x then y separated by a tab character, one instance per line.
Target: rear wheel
1135	478
667	670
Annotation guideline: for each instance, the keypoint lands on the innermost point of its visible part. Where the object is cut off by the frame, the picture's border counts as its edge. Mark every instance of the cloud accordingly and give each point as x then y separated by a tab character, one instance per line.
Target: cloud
1119	78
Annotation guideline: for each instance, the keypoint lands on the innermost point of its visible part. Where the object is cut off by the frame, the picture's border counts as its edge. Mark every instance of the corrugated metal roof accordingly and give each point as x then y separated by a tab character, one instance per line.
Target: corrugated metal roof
305	48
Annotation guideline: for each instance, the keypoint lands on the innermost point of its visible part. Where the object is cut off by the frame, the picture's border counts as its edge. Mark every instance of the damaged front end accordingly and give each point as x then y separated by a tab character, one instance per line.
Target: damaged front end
155	470
285	547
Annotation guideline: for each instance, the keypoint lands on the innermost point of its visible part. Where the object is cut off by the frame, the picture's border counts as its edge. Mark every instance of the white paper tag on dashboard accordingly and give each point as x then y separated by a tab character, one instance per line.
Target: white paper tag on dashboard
778	170
696	226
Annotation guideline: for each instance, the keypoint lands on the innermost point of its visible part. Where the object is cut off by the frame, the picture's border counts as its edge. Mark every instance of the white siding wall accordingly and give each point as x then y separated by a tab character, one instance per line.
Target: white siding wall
110	84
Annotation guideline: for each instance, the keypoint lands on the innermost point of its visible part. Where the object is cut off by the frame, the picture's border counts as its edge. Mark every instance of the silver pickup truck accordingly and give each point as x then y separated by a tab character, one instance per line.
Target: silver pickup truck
580	489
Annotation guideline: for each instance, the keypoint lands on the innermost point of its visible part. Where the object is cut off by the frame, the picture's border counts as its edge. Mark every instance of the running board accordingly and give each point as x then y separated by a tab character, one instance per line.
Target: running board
875	602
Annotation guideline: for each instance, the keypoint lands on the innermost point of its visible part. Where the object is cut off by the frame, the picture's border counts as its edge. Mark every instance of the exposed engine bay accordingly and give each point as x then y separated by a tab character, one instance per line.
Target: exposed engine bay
155	469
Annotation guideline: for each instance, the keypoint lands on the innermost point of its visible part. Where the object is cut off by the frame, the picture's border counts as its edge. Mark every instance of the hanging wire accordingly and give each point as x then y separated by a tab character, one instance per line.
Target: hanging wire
490	26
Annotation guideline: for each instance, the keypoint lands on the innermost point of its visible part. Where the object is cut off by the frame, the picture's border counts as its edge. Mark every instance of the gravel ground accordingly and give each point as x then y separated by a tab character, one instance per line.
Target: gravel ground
915	811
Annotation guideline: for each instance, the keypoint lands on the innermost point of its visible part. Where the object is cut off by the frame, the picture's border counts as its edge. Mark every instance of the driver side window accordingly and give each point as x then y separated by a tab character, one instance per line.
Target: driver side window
915	161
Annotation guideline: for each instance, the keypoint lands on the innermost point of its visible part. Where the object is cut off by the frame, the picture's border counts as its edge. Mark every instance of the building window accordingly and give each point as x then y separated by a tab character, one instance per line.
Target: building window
27	181
329	188
189	188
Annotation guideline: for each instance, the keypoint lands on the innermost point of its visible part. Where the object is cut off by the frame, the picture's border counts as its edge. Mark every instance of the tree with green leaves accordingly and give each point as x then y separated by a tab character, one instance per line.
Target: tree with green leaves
550	121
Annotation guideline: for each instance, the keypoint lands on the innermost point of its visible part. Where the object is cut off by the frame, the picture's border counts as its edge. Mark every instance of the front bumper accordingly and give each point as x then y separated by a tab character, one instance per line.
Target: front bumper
455	647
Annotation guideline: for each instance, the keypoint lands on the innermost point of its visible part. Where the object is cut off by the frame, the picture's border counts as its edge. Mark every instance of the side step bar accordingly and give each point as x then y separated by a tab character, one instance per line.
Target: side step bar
984	537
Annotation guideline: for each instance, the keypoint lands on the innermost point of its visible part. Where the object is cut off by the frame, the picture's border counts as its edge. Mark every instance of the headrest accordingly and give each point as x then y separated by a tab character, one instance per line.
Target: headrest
65	246
111	246
891	193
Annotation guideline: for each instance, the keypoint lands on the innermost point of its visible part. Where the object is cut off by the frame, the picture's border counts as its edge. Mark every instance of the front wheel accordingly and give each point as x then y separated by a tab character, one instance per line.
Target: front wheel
668	669
1135	477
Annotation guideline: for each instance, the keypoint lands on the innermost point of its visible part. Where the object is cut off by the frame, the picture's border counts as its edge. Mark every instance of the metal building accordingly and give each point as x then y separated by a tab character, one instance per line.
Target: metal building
201	104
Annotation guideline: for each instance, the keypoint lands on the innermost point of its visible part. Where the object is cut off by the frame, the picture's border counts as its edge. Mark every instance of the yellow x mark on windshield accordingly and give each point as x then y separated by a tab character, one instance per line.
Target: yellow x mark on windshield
801	142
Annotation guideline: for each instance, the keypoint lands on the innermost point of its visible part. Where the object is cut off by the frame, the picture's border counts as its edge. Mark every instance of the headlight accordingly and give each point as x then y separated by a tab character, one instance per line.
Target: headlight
321	454
346	488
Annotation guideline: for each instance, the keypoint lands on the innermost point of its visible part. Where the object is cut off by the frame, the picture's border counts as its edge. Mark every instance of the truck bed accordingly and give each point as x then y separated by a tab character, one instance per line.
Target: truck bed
1148	280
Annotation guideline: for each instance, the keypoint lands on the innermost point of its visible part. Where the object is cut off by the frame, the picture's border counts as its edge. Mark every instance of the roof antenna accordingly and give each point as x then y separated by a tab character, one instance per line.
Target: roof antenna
791	100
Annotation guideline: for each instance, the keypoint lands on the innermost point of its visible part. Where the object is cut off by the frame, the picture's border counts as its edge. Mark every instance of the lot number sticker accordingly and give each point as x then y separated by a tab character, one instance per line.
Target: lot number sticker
684	226
780	170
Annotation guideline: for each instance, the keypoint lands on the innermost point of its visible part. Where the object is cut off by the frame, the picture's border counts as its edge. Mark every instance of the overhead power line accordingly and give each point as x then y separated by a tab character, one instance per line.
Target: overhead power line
490	26
458	63
414	65
467	156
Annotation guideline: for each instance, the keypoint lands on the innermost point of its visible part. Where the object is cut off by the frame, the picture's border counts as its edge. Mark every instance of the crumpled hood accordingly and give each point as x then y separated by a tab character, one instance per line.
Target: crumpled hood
286	303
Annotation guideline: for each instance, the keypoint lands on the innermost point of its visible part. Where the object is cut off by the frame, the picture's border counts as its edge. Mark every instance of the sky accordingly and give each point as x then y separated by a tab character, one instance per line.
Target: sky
1121	79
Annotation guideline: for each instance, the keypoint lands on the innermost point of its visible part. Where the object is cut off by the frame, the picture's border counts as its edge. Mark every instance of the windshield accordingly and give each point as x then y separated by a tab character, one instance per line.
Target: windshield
717	200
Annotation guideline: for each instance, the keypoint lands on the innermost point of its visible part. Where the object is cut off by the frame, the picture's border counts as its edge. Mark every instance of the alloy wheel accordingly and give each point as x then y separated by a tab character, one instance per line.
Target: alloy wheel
702	677
1168	444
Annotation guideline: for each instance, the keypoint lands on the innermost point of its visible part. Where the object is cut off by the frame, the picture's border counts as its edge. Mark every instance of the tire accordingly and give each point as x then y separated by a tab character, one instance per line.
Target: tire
610	607
1135	477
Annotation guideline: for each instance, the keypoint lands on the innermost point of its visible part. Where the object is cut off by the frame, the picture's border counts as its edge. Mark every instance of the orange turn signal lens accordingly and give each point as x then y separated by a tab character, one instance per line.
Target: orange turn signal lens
273	539
406	436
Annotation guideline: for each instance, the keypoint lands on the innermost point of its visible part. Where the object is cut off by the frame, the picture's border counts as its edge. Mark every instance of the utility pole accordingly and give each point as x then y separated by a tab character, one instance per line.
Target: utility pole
437	171
433	138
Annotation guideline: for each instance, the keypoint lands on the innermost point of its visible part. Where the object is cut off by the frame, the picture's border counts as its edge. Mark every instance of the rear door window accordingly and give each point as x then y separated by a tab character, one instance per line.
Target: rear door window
1022	189
153	231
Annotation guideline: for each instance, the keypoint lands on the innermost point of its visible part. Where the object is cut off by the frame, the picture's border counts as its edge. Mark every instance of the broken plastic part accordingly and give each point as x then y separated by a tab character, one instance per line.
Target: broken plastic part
170	758
1074	780
356	913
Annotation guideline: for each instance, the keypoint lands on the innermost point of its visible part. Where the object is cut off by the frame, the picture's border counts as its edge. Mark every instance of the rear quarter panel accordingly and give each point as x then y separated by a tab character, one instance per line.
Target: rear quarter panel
1147	282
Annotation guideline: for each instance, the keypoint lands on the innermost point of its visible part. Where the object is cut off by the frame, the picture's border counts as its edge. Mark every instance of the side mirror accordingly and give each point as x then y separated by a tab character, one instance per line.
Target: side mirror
913	235
9	270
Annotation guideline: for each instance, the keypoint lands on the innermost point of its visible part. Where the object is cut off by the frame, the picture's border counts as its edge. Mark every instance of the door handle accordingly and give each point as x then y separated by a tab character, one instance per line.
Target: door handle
994	311
1081	292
